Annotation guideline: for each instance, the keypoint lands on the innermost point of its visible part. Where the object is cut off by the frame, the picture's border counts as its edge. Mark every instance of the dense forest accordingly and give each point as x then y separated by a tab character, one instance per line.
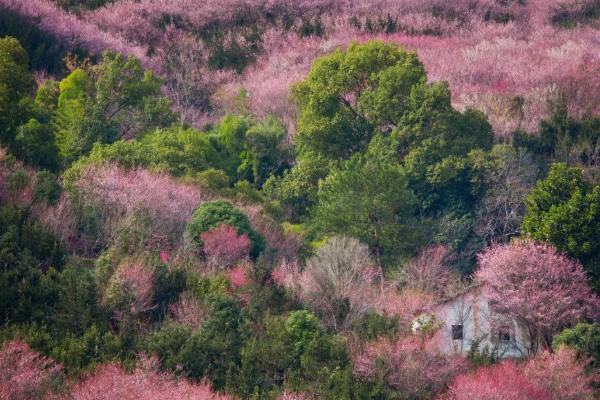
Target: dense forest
252	199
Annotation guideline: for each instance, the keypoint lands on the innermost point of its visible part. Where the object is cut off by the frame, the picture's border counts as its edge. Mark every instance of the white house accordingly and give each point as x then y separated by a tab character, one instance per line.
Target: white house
466	318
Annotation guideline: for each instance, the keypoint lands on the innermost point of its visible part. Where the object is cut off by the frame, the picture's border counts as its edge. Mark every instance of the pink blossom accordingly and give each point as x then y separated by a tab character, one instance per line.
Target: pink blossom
561	374
164	256
542	290
223	246
130	290
116	194
25	374
238	276
409	365
110	382
503	381
70	30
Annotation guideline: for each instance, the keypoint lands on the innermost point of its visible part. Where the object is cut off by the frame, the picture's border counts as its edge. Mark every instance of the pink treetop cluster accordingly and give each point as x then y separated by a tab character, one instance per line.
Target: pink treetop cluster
409	365
541	289
69	29
117	193
548	376
134	282
110	382
25	374
223	246
502	381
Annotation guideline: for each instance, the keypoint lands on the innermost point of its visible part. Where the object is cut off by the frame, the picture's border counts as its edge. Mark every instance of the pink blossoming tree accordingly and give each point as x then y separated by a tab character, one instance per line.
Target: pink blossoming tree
110	382
409	365
542	290
224	247
25	374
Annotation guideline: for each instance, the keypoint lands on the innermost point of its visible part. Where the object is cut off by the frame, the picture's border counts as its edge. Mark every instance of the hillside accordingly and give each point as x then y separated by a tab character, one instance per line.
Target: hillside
334	199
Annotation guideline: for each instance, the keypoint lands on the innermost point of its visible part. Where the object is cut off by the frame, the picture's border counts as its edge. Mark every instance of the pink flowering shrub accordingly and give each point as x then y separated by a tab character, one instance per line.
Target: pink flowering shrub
561	374
542	290
238	276
409	365
111	382
503	57
25	374
69	29
503	381
548	376
150	207
223	246
129	292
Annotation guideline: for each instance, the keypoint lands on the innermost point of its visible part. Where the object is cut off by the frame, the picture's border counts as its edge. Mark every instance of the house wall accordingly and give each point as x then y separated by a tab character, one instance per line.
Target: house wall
473	312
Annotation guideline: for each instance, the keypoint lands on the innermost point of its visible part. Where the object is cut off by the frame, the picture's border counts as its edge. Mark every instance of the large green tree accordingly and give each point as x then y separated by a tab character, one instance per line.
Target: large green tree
368	198
16	86
353	93
114	99
371	89
564	209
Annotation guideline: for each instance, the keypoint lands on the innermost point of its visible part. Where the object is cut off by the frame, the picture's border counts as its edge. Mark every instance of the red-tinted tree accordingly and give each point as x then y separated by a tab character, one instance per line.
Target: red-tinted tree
428	272
223	246
409	365
25	374
540	289
561	374
503	381
110	382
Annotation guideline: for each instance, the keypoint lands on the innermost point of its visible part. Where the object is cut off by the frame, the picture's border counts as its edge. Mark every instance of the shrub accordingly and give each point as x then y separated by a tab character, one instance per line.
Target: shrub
408	365
212	214
502	381
111	382
25	374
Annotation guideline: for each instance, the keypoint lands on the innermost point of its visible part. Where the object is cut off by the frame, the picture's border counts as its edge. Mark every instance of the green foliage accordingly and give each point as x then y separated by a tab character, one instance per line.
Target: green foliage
340	100
214	350
297	354
563	138
368	198
377	95
168	342
584	338
564	209
116	98
238	147
479	357
212	214
297	188
35	145
16	83
263	155
47	189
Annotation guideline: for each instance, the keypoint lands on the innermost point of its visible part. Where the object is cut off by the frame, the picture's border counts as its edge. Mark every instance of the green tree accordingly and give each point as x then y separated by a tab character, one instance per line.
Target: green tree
584	338
264	154
368	198
350	95
564	209
114	99
35	145
16	86
214	351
